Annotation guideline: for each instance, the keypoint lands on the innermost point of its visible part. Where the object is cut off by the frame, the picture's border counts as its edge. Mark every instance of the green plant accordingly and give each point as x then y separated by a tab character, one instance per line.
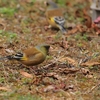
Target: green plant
28	97
61	2
81	37
10	36
7	11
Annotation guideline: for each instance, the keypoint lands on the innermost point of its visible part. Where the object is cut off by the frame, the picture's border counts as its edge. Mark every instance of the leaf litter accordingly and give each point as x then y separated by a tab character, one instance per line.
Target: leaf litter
71	70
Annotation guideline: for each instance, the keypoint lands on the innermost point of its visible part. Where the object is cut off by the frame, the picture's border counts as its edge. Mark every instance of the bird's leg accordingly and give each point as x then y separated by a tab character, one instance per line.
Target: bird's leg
64	38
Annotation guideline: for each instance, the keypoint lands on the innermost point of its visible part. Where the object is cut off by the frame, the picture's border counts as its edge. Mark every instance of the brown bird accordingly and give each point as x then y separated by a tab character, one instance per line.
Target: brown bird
32	56
54	16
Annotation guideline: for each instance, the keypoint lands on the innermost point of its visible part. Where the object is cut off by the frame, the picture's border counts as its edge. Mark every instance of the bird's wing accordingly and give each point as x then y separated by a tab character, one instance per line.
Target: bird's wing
34	59
59	20
31	52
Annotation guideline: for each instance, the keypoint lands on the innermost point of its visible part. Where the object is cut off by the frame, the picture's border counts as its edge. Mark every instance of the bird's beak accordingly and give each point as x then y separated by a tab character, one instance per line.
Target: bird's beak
47	47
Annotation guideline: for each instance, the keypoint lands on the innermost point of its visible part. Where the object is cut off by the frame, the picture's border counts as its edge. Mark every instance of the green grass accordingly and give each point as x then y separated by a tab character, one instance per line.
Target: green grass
10	36
7	11
61	2
15	96
80	37
28	97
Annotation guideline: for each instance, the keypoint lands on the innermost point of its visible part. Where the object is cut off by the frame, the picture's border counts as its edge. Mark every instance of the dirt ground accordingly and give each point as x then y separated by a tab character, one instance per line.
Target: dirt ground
72	68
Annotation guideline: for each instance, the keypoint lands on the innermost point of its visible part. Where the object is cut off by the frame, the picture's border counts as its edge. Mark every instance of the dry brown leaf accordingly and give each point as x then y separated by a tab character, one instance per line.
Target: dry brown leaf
73	31
41	9
5	88
68	70
88	21
55	75
96	28
49	88
85	71
70	60
78	13
9	51
89	76
26	74
90	63
79	28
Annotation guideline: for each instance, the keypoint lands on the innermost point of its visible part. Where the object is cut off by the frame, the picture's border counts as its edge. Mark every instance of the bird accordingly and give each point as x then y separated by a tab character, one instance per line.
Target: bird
54	16
31	56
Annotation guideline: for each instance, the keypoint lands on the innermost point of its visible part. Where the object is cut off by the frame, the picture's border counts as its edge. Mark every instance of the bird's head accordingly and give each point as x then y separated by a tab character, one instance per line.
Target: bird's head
48	2
47	47
43	48
51	3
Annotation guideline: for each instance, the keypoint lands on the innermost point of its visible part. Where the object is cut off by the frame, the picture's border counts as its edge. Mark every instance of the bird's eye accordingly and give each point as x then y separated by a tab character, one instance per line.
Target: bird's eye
47	3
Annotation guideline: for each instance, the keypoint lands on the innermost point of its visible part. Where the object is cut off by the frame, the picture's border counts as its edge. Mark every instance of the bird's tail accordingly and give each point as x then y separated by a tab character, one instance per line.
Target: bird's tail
62	28
18	56
7	57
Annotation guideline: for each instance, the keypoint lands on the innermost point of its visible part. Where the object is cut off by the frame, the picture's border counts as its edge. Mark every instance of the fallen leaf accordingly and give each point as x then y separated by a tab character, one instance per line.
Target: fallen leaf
41	9
85	71
49	88
5	88
65	44
87	18
90	63
54	75
96	27
73	31
26	74
88	21
69	60
9	51
68	70
69	87
89	76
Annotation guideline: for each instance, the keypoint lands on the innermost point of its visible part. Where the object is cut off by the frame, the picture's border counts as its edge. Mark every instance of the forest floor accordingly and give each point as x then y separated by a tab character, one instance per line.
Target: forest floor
72	68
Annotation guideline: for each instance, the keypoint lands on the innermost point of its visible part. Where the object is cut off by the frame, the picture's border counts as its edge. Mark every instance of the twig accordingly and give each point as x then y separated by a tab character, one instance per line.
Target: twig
93	88
88	58
55	60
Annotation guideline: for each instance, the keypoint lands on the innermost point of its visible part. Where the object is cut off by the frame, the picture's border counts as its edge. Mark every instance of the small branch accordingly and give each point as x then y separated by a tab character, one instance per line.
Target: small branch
55	60
92	89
